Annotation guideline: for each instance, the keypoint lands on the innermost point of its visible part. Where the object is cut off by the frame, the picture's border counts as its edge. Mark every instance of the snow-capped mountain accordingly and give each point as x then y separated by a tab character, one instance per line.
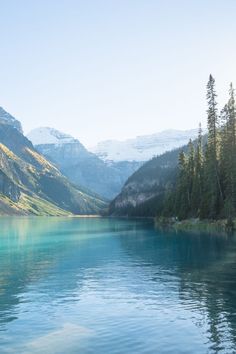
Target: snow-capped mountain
30	184
81	166
46	135
7	118
105	168
143	148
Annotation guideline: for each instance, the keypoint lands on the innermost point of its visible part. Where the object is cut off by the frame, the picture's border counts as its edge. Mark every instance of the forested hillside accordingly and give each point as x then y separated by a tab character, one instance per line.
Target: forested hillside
206	183
197	181
144	192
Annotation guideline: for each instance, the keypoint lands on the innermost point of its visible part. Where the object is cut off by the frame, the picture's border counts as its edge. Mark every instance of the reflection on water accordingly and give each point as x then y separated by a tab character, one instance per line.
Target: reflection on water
114	286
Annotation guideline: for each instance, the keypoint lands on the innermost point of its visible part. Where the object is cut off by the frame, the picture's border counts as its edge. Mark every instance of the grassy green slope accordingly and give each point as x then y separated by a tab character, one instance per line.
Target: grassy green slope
29	184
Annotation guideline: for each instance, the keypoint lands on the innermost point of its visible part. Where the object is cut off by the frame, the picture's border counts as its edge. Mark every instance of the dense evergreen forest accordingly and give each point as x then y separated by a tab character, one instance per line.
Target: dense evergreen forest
206	182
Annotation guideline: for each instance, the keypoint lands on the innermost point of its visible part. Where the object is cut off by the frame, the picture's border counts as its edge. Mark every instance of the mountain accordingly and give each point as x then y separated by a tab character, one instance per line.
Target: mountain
143	148
81	166
7	118
145	190
29	184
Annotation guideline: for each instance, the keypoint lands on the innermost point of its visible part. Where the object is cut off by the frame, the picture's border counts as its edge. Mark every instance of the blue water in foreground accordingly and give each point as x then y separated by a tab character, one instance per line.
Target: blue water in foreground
114	286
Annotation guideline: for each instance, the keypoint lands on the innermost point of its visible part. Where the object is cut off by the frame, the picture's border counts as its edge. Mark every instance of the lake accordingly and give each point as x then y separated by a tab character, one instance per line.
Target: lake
114	286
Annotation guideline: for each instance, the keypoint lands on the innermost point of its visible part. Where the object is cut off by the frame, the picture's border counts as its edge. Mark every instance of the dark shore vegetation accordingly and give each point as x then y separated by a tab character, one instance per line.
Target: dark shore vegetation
205	188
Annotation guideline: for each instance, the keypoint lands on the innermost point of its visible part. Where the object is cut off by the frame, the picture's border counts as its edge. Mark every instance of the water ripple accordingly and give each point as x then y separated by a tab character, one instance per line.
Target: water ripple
114	286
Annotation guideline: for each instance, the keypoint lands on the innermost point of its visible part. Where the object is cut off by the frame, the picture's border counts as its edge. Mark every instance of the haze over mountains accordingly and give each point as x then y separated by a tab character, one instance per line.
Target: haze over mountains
106	167
81	166
145	190
52	173
144	147
29	184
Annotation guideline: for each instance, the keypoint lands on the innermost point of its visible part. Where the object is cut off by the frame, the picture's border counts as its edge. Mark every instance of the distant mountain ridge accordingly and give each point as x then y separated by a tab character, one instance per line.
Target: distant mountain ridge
145	190
30	184
47	135
104	172
31	181
81	166
143	148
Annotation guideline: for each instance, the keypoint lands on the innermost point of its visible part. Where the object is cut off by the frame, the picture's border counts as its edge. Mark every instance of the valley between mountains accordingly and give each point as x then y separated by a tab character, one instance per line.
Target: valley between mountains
51	173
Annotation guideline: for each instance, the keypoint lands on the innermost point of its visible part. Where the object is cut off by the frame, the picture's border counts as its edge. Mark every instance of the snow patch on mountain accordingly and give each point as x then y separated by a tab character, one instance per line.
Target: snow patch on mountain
81	166
143	148
48	136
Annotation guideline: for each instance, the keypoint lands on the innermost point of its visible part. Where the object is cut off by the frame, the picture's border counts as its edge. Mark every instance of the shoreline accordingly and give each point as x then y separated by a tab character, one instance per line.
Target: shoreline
79	216
196	225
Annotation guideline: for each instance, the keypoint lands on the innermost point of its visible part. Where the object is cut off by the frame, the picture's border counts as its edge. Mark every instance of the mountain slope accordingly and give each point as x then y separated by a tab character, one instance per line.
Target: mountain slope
7	118
29	184
81	166
145	190
143	148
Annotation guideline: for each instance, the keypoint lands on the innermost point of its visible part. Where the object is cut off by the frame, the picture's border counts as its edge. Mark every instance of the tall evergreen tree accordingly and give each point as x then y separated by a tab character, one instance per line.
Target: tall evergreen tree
224	163
190	173
212	117
230	154
206	184
198	175
213	188
181	199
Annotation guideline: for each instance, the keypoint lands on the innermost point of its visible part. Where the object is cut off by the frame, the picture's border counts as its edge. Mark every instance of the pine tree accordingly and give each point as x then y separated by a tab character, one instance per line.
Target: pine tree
213	186
212	117
190	173
224	163
206	184
198	176
181	199
229	155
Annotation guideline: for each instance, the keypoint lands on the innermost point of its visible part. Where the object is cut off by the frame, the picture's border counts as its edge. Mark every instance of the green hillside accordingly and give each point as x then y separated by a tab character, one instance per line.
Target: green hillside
29	184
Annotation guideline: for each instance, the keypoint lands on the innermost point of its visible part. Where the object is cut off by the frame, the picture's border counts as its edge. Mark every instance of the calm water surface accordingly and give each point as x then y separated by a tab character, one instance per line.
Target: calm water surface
114	286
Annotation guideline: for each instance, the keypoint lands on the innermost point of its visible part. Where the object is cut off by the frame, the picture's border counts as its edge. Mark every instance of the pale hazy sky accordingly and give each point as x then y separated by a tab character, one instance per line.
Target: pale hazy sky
101	69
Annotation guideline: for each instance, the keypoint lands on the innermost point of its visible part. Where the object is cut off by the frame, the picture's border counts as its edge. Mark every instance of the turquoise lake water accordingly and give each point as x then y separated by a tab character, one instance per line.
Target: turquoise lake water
114	286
